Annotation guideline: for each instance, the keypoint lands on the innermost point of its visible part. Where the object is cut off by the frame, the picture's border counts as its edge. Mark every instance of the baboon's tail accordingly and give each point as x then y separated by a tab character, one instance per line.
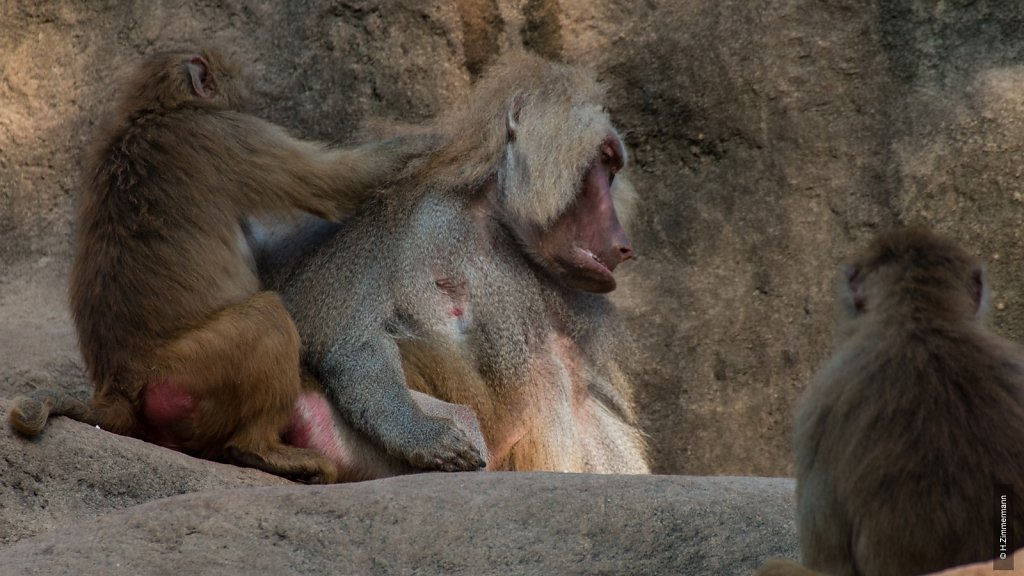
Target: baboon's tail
30	413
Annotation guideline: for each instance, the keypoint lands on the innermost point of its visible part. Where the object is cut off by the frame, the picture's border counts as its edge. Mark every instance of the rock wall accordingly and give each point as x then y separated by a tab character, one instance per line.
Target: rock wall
768	141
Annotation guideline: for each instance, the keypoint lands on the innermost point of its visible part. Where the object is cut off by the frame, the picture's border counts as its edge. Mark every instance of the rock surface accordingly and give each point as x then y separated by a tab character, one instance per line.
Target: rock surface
74	473
435	524
988	568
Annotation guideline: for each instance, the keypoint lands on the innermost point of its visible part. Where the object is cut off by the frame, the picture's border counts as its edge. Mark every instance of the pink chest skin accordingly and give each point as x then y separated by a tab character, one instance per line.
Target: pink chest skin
456	293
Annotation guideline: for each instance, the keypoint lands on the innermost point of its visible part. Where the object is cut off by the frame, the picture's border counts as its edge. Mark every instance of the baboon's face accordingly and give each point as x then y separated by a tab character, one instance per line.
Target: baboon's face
586	243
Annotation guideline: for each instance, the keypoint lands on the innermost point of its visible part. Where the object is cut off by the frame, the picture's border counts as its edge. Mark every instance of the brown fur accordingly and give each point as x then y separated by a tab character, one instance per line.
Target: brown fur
901	437
163	291
464	281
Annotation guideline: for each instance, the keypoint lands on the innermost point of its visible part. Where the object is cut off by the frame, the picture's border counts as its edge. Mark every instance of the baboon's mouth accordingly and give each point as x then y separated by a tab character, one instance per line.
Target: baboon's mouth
586	271
597	259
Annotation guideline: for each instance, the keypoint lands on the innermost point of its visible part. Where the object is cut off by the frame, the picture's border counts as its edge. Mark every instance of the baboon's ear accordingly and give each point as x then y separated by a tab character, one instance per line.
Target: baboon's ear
202	79
512	118
978	289
855	286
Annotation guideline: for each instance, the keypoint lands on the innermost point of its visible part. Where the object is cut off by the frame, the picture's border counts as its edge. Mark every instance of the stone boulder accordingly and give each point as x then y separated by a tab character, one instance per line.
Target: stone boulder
466	523
74	473
988	568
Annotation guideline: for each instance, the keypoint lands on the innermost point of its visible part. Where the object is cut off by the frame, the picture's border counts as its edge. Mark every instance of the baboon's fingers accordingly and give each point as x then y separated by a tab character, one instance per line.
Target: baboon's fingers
450	451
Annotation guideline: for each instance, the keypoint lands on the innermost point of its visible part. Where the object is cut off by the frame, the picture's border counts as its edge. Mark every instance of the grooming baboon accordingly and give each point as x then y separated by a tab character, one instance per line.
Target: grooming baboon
902	438
480	272
183	347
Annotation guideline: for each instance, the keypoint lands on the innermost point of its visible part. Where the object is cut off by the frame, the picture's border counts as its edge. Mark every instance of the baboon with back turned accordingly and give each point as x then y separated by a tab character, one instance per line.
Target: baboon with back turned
902	439
479	277
183	346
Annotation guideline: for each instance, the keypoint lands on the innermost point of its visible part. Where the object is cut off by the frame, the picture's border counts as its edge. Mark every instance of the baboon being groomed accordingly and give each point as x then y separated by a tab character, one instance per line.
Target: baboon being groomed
479	277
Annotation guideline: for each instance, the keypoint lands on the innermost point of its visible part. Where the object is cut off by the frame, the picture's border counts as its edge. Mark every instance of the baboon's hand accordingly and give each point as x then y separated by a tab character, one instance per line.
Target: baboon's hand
440	445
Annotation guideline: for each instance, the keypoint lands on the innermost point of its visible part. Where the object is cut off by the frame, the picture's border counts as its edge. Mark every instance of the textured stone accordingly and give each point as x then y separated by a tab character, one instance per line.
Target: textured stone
74	473
482	523
988	568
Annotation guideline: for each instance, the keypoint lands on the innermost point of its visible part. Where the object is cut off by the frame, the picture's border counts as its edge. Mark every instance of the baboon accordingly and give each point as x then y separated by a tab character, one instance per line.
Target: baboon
902	439
478	276
184	347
